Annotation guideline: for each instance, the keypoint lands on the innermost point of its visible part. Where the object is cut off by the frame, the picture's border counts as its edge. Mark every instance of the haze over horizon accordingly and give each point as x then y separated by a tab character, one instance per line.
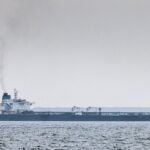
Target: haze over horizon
73	52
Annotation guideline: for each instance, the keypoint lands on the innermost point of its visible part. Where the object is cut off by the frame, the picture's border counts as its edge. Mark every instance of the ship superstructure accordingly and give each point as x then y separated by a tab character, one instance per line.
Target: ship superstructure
13	105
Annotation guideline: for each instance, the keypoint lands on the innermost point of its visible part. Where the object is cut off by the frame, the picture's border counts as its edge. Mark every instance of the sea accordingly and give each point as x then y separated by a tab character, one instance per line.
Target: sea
74	135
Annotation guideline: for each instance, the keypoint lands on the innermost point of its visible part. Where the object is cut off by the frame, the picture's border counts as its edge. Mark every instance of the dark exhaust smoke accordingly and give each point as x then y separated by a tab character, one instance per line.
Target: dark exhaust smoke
2	85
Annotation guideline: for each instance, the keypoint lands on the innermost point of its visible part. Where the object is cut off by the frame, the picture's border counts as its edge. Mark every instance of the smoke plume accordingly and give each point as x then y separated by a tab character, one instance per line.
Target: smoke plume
7	15
2	64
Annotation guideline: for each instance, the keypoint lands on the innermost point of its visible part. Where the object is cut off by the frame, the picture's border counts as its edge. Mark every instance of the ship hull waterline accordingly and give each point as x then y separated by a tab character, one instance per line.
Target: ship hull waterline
32	117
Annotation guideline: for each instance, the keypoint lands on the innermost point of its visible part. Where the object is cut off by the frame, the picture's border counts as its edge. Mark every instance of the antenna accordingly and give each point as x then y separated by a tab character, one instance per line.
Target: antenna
15	94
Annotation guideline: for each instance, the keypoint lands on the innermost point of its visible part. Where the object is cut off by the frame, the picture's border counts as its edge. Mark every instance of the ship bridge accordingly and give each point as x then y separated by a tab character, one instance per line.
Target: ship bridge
14	105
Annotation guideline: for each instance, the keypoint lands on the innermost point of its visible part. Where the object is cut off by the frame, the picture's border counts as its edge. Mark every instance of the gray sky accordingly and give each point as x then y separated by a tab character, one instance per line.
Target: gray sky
77	52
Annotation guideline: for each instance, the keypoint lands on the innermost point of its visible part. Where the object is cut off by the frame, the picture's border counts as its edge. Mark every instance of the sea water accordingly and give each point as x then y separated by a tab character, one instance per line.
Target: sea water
75	135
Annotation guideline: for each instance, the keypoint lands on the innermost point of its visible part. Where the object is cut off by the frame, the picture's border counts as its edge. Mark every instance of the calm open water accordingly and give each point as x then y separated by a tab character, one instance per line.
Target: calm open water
75	135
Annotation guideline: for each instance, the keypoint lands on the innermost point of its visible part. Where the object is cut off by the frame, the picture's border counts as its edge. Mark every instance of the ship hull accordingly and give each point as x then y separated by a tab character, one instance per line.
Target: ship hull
44	117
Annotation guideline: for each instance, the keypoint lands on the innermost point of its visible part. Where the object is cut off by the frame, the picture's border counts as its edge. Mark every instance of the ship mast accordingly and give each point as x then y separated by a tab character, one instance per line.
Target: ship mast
15	94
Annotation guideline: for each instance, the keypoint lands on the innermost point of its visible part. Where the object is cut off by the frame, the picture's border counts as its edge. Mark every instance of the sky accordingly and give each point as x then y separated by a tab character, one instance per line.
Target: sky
76	52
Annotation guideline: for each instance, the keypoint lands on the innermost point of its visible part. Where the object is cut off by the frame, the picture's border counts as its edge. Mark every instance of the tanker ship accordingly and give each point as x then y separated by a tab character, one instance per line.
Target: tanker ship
16	109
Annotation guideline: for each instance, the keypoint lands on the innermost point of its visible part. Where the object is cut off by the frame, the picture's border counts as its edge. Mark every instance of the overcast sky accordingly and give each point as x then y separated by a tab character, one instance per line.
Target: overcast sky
77	52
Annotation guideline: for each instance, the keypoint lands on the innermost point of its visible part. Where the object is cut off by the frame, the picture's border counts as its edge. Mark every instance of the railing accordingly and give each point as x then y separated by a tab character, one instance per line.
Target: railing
95	113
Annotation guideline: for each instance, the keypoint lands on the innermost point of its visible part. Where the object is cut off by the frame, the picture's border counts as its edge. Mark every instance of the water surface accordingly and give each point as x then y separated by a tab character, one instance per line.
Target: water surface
75	135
